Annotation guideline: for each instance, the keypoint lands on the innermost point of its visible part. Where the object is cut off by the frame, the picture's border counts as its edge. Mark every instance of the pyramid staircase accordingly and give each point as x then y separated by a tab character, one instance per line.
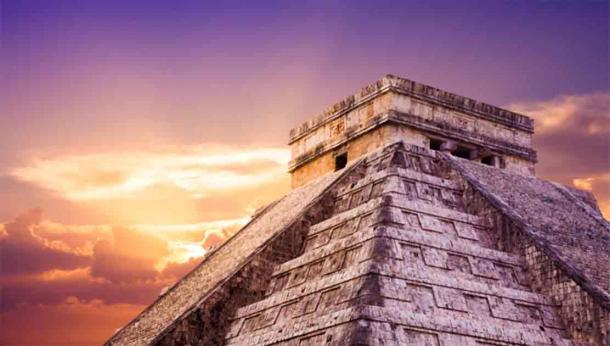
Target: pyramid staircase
404	246
400	261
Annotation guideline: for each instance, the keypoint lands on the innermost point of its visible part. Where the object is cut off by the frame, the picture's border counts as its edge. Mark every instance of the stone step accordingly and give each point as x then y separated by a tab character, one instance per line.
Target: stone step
442	212
433	180
455	273
407	186
391	334
403	174
430	213
286	331
448	291
418	247
410	184
457	246
351	215
348	282
480	328
377	211
439	323
429	299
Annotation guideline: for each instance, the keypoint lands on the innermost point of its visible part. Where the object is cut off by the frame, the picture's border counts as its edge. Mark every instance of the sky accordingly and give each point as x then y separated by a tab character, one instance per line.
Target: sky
136	135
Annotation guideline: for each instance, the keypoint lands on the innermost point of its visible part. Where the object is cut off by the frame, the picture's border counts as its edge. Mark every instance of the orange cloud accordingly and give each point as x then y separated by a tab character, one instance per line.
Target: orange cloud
23	251
601	184
130	256
589	113
191	240
43	265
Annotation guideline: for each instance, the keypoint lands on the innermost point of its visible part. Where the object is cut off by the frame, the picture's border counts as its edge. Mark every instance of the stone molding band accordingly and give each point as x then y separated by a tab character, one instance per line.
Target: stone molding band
417	91
417	122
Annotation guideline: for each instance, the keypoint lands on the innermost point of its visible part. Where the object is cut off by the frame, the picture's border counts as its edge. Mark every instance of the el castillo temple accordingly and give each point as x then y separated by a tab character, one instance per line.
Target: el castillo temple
415	218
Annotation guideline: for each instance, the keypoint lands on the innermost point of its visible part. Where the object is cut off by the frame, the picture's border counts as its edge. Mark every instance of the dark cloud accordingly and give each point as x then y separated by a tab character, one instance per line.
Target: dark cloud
120	268
50	292
22	251
42	267
572	154
572	134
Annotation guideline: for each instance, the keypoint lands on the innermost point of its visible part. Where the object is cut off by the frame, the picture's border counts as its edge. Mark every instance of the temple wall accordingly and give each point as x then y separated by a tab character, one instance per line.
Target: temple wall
584	317
356	148
391	115
440	114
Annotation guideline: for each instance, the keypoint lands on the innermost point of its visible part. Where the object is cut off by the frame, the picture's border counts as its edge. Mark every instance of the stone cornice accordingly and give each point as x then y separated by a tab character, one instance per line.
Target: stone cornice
418	91
421	124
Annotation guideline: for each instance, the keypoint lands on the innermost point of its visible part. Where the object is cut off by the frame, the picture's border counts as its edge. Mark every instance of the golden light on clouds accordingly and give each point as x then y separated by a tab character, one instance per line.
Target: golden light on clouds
168	175
583	183
556	113
187	241
197	170
600	183
66	275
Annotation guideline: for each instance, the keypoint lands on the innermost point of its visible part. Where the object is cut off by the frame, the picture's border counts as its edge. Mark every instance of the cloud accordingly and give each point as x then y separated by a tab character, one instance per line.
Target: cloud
572	133
573	141
23	251
55	286
194	231
78	238
587	113
130	256
600	186
115	265
186	241
197	170
175	271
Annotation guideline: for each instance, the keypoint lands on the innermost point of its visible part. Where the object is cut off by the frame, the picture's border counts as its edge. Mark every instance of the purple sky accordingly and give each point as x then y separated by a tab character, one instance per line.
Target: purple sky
69	65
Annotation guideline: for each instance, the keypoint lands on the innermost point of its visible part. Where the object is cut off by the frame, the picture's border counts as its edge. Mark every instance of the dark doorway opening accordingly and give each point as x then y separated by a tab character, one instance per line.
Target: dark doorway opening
340	161
462	152
435	144
488	160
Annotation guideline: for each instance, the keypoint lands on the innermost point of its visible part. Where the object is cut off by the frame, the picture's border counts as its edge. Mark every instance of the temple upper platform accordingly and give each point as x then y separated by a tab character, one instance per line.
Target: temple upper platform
395	108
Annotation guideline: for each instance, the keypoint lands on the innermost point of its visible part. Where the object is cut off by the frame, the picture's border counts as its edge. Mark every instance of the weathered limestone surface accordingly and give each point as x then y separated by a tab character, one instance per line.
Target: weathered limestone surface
407	245
400	109
401	261
565	239
576	236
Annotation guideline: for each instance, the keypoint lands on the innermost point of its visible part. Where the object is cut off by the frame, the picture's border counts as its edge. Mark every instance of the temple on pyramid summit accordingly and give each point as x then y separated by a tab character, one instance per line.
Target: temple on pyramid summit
415	218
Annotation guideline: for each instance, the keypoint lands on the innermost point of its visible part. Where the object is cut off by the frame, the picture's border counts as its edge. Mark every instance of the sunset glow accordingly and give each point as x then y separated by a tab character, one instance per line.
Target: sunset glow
197	171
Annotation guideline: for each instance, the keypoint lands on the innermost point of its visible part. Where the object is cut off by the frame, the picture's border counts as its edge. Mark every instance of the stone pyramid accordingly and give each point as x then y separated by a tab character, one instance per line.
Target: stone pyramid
415	220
